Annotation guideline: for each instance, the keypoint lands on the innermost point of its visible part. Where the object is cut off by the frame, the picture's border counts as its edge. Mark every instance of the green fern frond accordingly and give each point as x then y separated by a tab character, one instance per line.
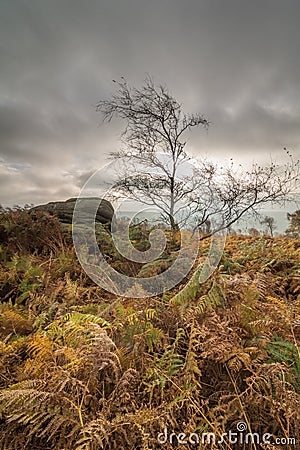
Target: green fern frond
286	353
189	292
215	297
165	366
77	329
153	336
82	318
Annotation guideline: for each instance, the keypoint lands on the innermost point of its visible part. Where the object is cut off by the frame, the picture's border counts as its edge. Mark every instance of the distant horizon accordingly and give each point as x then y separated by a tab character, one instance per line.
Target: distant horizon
281	221
280	216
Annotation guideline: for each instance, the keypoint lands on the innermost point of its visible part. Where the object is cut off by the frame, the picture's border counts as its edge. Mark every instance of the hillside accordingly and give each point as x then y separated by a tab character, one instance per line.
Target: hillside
81	368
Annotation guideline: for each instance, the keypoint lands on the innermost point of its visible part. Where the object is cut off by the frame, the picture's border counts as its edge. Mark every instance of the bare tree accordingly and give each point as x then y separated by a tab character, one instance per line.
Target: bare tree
155	126
270	224
234	193
153	164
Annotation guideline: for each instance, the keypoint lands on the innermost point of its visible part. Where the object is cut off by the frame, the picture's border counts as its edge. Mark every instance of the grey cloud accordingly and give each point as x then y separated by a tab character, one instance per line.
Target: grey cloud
235	61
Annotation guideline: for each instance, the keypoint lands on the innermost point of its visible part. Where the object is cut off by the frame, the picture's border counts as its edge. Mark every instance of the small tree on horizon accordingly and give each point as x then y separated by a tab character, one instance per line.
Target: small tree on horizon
253	232
294	226
270	224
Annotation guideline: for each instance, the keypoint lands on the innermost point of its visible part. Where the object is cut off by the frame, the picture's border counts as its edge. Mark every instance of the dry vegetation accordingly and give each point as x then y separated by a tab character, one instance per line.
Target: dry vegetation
82	369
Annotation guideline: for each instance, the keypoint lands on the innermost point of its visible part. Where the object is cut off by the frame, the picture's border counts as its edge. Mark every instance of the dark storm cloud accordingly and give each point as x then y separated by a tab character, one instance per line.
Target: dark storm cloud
235	61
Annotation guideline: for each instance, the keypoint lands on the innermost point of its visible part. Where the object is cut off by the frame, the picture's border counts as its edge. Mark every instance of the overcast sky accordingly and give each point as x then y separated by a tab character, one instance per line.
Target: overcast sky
235	61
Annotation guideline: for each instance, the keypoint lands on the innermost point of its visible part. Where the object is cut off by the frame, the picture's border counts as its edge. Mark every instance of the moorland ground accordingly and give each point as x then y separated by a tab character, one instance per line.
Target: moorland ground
81	368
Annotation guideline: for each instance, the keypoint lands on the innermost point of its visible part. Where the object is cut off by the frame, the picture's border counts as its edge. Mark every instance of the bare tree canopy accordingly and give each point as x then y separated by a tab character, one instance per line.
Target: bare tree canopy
155	168
155	125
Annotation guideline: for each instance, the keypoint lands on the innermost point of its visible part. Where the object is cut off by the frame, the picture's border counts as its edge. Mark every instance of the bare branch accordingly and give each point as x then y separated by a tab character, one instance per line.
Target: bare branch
154	152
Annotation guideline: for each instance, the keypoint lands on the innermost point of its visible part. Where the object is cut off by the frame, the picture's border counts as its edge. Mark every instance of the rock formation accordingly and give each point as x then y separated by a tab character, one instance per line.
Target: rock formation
64	210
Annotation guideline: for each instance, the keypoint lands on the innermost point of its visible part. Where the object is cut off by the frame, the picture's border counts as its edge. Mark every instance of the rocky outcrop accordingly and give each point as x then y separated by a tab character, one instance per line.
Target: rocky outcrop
64	210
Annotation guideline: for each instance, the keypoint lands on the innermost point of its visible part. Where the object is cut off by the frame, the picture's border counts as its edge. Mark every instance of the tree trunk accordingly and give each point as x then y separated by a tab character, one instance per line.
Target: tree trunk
173	224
